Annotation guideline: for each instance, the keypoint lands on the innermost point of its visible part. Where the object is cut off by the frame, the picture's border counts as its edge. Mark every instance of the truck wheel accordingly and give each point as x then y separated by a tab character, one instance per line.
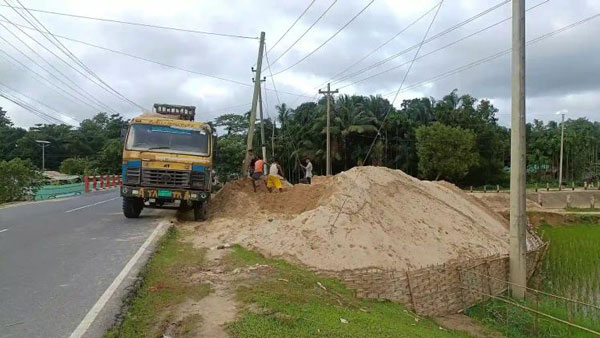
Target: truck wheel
200	211
132	207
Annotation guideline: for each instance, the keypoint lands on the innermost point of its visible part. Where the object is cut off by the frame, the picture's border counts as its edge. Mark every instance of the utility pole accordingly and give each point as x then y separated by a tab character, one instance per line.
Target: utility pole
255	95
562	138
328	92
518	220
262	124
43	144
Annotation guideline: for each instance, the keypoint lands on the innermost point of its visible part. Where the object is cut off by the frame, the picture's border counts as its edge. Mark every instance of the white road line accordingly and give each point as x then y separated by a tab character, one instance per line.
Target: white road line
3	230
91	205
95	310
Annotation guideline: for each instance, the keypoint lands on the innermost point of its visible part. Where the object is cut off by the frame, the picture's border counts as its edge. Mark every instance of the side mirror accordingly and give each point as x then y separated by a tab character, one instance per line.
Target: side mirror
124	129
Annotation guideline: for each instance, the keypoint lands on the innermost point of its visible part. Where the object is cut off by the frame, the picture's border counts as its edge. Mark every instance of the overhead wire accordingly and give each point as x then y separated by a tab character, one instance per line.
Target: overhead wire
30	108
57	43
136	23
150	60
496	55
432	38
326	41
305	32
74	87
440	48
52	85
292	25
381	45
38	102
392	103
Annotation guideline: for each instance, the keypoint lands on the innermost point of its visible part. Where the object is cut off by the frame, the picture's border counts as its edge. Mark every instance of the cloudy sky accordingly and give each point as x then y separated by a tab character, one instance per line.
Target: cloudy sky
563	70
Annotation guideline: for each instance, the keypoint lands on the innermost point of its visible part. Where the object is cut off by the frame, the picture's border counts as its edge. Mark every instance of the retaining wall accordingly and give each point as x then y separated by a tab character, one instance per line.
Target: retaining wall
434	290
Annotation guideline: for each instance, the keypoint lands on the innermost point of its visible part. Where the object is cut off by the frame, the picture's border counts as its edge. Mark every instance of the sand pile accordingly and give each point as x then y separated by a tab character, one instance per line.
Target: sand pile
389	220
500	201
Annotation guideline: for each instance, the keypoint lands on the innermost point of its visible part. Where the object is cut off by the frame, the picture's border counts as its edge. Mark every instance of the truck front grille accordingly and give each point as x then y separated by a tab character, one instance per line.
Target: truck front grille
165	178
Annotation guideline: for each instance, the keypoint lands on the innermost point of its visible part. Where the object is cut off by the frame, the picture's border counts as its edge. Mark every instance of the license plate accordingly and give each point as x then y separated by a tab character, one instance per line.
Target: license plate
164	193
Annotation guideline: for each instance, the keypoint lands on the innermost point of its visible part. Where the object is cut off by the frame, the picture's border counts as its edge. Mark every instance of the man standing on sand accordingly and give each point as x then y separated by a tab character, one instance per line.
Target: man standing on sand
273	180
308	169
258	173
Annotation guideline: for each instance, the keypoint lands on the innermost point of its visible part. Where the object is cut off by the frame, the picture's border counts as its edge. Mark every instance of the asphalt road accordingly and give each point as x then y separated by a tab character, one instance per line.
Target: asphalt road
58	257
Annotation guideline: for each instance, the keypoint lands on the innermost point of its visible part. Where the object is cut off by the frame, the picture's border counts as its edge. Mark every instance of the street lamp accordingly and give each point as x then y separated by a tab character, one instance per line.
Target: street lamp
562	138
43	144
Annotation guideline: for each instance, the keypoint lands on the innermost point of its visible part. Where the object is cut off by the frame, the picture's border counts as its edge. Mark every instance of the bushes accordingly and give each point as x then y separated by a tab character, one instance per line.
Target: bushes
18	178
76	166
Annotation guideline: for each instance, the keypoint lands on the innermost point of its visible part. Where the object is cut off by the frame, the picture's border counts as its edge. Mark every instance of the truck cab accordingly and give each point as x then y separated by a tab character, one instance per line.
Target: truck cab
167	160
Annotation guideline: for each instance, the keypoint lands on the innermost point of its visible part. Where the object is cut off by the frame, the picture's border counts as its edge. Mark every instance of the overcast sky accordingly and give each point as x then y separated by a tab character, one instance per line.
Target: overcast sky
563	71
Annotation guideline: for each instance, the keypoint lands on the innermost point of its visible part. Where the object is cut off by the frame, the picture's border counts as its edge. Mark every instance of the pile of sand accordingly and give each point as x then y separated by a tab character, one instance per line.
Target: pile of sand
388	220
500	201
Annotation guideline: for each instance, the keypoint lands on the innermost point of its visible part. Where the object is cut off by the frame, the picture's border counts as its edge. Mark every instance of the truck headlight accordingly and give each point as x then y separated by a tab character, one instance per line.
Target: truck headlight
197	180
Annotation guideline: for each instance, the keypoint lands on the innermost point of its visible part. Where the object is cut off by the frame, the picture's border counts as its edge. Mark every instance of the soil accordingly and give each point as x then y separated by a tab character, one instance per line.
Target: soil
365	217
461	322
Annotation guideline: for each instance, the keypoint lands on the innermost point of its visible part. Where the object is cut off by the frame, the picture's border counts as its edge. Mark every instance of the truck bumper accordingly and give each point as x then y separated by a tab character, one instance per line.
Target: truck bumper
164	193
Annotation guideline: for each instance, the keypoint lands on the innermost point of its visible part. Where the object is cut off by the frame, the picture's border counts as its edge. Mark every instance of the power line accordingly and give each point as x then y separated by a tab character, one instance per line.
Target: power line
438	35
36	101
380	46
496	55
136	23
326	41
51	84
439	49
149	60
78	90
393	101
271	75
293	24
30	108
305	32
54	41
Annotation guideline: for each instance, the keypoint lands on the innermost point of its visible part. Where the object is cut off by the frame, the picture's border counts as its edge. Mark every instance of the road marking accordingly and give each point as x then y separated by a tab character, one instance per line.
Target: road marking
91	205
3	230
95	310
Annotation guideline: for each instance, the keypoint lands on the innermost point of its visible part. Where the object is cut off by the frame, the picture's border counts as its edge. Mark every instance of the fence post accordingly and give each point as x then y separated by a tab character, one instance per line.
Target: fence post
536	188
101	181
592	202
471	189
485	188
537	308
107	180
568	201
585	185
114	182
548	187
573	185
86	183
497	187
539	199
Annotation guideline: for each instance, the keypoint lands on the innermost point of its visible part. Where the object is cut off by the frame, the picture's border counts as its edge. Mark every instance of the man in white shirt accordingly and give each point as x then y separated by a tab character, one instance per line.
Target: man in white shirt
308	169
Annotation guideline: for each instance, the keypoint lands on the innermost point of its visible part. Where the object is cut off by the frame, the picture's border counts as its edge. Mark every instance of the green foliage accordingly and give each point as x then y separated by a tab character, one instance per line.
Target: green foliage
162	288
76	166
229	156
288	302
18	178
233	123
445	152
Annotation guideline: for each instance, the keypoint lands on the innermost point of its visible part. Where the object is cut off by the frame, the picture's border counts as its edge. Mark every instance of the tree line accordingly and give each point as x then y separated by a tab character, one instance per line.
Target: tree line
456	138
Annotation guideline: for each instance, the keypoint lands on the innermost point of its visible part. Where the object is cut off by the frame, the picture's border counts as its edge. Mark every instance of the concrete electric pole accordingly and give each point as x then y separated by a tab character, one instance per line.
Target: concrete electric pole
518	218
562	139
262	124
328	92
255	95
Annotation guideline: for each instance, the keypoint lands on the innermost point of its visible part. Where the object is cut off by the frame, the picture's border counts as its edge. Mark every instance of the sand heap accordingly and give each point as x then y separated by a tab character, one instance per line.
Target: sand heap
388	220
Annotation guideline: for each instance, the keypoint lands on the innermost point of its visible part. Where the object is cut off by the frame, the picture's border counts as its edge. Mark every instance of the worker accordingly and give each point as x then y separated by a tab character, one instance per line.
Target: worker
258	173
308	170
274	180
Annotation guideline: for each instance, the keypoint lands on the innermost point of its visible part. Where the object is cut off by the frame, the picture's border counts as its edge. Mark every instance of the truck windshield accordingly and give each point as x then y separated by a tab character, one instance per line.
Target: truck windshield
168	139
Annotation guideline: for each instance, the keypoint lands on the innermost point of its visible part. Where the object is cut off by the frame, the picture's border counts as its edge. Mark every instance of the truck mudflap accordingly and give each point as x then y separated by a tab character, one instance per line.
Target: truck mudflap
164	193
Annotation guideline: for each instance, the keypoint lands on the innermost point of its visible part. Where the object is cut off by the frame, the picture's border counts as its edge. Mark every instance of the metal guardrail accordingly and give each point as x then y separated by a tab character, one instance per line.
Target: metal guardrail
54	191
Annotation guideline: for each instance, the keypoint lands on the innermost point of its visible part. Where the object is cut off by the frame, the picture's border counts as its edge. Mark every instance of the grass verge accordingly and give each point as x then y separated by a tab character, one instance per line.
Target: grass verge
287	301
570	268
163	287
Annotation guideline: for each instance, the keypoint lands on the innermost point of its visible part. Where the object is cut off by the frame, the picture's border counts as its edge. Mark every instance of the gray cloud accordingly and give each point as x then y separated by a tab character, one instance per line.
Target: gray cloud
562	71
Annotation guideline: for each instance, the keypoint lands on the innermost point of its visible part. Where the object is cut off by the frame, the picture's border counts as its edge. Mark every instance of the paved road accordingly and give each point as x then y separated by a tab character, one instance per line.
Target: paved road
58	257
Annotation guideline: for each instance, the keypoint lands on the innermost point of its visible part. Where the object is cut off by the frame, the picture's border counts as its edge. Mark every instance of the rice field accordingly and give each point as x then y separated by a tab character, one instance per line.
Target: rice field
571	267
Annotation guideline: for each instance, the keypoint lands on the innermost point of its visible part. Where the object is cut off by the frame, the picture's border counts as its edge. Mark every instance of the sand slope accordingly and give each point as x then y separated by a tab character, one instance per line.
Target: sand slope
389	220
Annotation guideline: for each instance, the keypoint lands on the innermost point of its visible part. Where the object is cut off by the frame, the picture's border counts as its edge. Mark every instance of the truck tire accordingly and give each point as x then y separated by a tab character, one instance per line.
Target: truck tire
132	207
200	211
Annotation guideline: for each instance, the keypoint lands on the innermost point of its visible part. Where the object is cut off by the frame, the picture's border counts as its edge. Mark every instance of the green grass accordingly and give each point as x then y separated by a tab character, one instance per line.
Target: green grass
162	289
286	301
573	209
571	268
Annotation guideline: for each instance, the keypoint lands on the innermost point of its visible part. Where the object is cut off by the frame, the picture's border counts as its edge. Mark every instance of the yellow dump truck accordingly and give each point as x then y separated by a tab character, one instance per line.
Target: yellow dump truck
167	162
